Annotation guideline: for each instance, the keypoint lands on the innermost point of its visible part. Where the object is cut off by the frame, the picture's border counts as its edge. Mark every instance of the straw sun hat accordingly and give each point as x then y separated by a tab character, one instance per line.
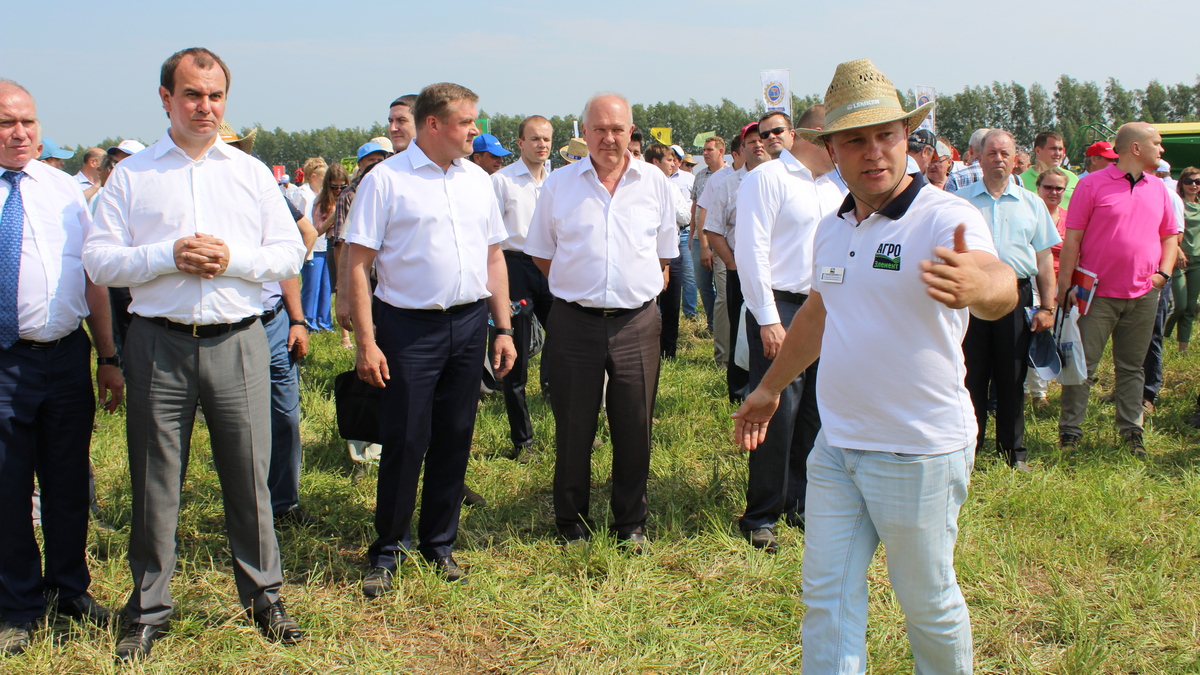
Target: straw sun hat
574	151
860	96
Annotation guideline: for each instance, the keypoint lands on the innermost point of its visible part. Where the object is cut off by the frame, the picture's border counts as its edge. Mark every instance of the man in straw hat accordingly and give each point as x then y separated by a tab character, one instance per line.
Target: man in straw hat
895	270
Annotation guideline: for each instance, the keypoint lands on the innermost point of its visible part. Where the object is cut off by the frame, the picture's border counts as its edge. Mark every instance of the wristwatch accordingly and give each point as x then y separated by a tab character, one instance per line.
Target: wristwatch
108	361
504	331
297	322
1163	274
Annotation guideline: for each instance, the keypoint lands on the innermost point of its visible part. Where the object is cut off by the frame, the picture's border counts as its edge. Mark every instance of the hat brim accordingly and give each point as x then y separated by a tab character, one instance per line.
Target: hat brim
562	152
868	117
246	143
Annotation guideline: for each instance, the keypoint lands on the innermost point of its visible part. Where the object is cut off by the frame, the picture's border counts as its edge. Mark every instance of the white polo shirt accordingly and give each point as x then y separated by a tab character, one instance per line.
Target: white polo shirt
892	368
51	300
432	229
605	248
720	201
779	206
517	191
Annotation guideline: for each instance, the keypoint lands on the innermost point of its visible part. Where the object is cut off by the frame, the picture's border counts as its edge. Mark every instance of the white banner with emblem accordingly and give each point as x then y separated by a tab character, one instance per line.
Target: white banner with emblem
777	90
925	95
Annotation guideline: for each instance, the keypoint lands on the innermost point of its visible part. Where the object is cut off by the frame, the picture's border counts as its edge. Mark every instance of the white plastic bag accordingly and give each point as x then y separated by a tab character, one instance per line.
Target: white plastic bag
741	351
1070	347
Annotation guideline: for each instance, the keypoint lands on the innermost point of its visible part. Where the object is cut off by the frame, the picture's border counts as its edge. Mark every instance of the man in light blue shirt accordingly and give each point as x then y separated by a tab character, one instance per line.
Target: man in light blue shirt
995	351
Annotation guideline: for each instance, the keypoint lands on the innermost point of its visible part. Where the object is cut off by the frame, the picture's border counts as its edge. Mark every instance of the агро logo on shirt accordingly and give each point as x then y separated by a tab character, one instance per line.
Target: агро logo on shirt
887	257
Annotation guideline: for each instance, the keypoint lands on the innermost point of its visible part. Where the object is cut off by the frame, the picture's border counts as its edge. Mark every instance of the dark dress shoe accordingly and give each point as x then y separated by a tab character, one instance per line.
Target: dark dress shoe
14	637
377	582
634	542
137	641
473	498
448	568
763	538
84	607
297	516
275	624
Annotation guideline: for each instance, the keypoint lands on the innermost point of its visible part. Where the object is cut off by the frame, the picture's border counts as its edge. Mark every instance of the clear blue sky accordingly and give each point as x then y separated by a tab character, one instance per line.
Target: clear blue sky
93	66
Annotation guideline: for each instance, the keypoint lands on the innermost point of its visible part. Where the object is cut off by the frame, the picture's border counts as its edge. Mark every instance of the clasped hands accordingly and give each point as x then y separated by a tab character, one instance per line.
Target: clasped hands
203	255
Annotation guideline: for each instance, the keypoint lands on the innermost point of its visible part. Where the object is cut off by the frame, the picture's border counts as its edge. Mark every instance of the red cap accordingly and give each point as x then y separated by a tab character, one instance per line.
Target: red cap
746	129
1101	149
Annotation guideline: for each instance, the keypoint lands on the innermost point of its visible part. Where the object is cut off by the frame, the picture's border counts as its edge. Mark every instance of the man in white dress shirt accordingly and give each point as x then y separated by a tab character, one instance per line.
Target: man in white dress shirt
89	171
195	227
429	222
46	401
603	231
517	188
779	206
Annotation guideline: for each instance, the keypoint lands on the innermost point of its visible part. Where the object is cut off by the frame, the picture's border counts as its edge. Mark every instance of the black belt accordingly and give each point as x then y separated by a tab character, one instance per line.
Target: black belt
202	331
520	255
271	313
1024	281
788	296
456	309
39	346
608	313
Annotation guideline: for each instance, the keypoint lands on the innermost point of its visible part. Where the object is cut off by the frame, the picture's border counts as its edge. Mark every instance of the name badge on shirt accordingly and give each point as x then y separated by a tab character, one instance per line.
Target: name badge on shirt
833	275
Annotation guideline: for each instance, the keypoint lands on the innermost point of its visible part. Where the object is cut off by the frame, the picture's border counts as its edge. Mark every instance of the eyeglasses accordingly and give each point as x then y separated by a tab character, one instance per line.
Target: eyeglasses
777	131
338	187
1190	181
1052	188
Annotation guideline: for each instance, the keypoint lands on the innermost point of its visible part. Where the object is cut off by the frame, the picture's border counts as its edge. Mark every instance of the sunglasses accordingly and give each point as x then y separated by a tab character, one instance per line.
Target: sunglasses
1190	181
777	131
338	187
1052	188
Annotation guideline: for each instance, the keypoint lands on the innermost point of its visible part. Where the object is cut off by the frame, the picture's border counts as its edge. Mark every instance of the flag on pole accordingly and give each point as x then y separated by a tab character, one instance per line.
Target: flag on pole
699	140
777	90
662	134
925	95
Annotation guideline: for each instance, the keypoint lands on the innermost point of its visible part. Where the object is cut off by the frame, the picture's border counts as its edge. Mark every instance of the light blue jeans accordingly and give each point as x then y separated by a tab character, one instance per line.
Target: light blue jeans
689	278
857	499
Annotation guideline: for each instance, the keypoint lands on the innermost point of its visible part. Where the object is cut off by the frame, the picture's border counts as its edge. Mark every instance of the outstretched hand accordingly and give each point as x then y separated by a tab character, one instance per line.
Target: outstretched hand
957	281
751	419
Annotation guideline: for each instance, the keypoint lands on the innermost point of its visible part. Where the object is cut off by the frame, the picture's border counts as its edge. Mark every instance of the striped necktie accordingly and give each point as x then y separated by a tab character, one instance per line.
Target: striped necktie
12	229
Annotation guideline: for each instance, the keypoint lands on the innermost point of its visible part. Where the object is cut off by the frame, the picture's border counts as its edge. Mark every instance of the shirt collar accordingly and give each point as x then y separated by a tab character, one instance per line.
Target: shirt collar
898	207
635	165
417	158
792	164
520	168
167	144
1010	190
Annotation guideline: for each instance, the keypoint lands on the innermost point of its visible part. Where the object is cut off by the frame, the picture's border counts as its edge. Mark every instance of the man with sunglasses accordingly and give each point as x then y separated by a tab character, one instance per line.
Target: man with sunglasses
778	208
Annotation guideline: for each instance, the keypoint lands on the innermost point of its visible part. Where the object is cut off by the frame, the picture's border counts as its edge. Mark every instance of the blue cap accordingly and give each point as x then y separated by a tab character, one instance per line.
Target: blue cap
369	147
51	149
489	143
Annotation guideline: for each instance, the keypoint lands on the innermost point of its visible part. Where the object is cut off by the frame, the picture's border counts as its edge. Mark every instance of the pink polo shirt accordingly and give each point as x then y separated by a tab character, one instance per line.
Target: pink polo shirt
1123	227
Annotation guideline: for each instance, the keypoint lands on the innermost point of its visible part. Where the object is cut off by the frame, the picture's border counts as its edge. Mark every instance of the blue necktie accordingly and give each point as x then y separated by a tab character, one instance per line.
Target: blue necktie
12	229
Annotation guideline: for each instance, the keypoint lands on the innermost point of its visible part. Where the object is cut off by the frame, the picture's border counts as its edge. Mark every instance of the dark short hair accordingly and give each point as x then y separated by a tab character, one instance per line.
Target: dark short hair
772	113
656	152
735	145
636	136
204	59
1044	137
406	100
435	101
530	120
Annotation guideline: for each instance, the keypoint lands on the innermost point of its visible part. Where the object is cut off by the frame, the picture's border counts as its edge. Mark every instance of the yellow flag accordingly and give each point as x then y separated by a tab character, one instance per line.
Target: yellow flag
662	134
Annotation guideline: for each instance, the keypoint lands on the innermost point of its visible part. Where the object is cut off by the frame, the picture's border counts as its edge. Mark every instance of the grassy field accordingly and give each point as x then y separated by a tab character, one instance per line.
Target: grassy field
1091	564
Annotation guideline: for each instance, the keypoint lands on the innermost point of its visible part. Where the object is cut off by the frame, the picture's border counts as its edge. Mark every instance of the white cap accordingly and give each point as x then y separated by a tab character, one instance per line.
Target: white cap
679	151
129	146
1163	166
943	150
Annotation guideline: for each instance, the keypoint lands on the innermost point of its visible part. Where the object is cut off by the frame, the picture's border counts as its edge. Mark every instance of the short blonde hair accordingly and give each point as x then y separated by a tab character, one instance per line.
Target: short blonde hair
314	164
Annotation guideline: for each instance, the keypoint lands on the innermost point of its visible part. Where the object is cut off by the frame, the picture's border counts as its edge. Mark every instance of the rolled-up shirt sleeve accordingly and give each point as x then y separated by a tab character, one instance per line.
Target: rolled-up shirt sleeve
367	222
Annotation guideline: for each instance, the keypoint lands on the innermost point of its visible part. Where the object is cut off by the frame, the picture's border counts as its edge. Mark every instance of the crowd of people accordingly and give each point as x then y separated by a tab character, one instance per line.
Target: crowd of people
201	279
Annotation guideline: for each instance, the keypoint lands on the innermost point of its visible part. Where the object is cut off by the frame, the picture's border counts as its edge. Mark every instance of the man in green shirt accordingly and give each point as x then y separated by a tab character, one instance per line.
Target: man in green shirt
1049	151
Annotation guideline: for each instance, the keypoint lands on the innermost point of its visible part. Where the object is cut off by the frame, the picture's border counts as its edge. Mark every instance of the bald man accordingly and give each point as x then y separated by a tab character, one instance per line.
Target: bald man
1121	226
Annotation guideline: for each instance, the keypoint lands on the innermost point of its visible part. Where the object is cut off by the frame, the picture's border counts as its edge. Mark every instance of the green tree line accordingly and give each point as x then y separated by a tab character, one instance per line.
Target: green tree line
1068	109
